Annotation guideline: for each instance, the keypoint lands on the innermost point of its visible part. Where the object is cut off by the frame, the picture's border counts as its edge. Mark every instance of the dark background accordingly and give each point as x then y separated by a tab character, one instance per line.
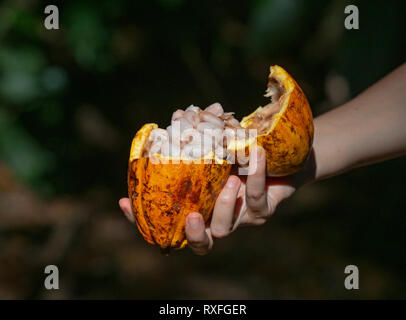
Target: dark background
71	100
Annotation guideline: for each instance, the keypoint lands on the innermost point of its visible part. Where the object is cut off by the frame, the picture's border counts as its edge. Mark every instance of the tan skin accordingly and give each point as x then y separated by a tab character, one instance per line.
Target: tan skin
370	128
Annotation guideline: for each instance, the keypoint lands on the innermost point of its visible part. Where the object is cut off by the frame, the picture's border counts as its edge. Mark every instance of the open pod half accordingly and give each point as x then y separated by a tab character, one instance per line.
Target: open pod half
163	193
284	126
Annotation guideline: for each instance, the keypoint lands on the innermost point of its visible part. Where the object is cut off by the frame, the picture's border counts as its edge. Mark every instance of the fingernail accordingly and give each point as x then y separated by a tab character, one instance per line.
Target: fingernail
193	222
231	183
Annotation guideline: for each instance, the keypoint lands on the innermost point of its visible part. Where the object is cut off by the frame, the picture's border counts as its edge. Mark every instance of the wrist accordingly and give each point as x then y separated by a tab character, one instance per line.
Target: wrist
306	175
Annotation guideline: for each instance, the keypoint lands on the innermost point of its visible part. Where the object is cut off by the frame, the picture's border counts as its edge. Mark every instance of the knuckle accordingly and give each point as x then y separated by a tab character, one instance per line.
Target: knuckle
219	232
225	200
261	215
267	214
196	244
254	195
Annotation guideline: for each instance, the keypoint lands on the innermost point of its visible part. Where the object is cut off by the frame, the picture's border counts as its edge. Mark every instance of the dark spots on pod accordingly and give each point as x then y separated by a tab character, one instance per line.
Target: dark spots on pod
176	207
210	187
170	194
276	139
184	188
295	151
292	129
195	196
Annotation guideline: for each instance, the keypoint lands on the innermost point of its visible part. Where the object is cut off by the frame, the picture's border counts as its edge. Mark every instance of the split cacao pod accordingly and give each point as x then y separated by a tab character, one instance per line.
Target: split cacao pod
163	194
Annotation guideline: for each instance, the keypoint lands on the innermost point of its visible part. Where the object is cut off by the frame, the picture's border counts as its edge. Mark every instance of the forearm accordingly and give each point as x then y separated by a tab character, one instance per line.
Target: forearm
369	128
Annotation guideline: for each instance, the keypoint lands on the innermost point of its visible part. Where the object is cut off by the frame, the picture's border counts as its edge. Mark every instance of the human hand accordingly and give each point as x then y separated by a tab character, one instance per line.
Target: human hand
244	201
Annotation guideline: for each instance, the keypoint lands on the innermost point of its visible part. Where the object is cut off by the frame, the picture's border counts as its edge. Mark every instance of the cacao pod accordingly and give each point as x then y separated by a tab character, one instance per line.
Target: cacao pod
163	193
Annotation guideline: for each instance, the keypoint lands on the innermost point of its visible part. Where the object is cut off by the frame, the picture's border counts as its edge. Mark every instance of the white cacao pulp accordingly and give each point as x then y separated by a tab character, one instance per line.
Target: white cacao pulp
194	132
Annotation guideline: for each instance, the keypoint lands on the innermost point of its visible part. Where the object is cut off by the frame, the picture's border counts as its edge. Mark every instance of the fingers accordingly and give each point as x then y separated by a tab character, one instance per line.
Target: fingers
198	237
125	206
256	200
223	213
